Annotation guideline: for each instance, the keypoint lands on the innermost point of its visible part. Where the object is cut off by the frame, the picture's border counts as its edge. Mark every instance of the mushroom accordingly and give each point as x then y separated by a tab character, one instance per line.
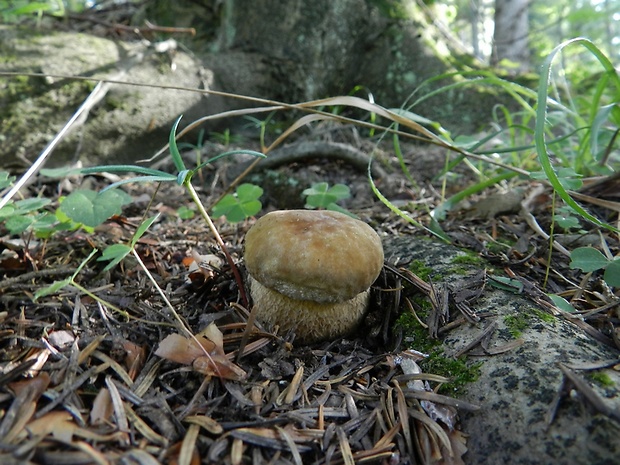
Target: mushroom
311	270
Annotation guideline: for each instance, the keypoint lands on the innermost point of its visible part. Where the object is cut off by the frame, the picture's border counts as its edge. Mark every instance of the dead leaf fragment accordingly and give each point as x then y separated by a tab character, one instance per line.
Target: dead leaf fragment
204	352
102	408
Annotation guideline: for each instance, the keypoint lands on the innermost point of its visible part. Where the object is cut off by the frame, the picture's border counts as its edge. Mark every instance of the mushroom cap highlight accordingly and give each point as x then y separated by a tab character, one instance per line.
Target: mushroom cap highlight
315	255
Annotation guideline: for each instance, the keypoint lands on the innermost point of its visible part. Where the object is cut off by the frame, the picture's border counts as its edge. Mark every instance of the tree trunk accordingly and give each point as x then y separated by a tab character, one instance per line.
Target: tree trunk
510	38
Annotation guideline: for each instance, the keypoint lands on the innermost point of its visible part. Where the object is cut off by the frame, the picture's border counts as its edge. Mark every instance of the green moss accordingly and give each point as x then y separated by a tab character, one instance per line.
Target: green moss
468	259
544	316
420	269
459	371
602	379
516	324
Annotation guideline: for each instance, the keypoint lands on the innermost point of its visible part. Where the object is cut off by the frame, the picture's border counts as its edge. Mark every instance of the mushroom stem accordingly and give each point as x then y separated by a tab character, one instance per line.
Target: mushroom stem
312	321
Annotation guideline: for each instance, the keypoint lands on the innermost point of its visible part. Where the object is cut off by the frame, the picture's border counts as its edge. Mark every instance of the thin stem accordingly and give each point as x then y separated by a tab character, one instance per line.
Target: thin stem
218	239
183	326
99	299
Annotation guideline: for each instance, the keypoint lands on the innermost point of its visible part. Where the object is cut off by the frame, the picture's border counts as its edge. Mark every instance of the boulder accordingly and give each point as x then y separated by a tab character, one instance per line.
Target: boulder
518	389
129	123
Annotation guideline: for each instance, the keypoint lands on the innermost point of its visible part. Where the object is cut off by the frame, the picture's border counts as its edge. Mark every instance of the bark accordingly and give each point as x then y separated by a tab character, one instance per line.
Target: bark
510	38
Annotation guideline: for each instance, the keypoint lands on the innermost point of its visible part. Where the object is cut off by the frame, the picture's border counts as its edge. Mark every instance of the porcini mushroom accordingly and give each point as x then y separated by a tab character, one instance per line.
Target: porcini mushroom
311	270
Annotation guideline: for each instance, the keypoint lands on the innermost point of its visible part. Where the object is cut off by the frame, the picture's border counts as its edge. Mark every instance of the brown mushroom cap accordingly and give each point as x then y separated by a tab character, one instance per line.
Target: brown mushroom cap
316	255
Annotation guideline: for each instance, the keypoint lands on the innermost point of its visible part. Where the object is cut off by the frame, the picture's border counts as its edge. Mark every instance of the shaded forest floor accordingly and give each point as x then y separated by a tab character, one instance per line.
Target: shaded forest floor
84	377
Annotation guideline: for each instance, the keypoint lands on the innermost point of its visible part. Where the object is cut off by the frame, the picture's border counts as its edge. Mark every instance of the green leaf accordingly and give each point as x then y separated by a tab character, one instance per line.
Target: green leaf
240	205
174	150
18	224
337	208
128	169
60	173
91	208
67	224
320	195
52	288
34	7
541	120
566	219
115	254
588	259
597	126
569	178
562	303
45	225
252	153
612	273
31	205
185	213
5	179
507	284
7	211
249	192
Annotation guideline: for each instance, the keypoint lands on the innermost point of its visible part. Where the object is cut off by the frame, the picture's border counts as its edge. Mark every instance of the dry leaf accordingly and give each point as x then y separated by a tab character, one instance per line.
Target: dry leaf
204	352
213	334
134	360
102	408
61	339
24	405
59	424
201	268
173	455
459	448
33	387
219	365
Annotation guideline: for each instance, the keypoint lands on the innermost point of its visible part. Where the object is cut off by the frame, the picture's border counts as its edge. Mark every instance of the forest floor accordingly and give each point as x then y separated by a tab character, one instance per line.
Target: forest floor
101	370
88	378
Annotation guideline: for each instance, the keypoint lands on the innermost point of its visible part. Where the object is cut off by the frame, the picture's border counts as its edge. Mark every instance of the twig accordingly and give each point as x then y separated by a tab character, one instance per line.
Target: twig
149	27
589	393
93	98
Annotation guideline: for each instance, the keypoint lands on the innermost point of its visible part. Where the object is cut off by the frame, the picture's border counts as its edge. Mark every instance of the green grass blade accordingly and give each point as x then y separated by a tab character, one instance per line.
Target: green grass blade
174	150
541	119
226	154
435	230
125	169
167	178
146	224
439	212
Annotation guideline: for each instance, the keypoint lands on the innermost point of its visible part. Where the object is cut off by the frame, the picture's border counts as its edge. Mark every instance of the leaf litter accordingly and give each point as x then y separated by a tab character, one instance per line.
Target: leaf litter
84	383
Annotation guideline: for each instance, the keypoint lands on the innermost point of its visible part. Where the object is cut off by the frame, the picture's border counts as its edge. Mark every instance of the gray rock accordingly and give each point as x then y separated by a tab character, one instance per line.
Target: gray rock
517	389
130	123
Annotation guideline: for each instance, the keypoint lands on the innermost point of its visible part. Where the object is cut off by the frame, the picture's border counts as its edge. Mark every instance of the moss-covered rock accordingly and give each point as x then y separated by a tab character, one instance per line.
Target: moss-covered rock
516	388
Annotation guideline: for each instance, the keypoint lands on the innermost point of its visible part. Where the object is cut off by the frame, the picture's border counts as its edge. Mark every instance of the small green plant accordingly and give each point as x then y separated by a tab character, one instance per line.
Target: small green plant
225	137
117	252
186	213
12	10
183	177
322	196
197	148
589	259
566	219
87	209
92	208
241	205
